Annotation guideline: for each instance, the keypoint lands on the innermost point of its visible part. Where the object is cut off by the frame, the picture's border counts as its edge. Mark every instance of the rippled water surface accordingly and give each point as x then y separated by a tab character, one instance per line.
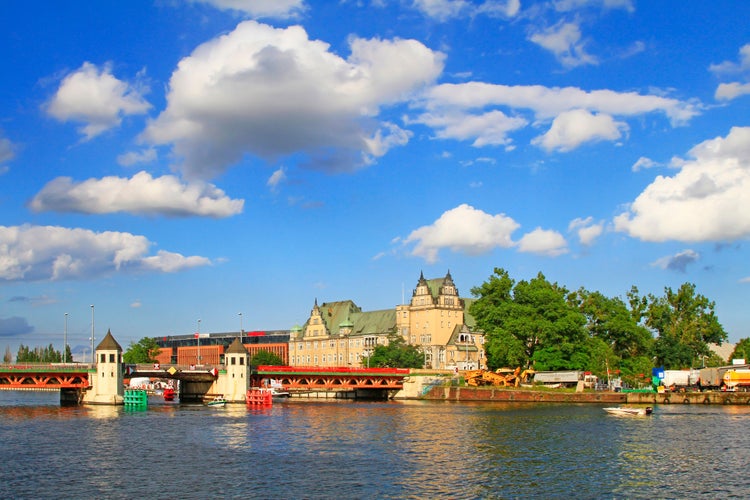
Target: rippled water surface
345	449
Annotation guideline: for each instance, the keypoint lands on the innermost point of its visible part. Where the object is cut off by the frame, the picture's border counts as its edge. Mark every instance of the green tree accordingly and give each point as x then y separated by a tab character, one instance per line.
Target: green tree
264	357
397	354
38	355
529	322
7	357
686	324
145	350
610	320
741	350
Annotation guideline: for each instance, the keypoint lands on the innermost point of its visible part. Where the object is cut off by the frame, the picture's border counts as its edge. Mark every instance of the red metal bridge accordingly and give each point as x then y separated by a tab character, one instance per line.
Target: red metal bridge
42	376
313	378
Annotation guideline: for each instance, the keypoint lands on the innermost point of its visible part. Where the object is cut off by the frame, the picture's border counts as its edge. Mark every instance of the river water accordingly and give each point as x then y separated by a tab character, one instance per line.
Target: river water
345	449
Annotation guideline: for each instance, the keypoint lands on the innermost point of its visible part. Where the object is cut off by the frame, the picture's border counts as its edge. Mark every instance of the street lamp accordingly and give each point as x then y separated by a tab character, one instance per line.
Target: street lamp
92	333
241	331
65	339
199	342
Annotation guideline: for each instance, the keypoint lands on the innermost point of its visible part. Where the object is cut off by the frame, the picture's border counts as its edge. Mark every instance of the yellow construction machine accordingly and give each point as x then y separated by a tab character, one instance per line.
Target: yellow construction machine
503	377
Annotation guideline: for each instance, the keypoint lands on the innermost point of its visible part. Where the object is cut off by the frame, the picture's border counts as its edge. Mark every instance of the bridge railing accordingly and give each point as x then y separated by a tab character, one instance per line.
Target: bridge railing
332	370
37	366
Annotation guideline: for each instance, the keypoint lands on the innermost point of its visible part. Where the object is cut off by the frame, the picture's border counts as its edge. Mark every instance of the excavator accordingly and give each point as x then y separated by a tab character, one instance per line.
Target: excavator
503	377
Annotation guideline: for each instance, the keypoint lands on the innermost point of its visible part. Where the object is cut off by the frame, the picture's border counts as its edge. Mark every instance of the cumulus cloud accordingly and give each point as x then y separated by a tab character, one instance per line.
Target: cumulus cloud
10	327
279	9
705	201
136	157
35	253
677	262
443	10
586	229
273	93
7	150
485	129
572	128
141	194
740	69
463	229
470	111
95	97
564	41
643	163
543	242
568	5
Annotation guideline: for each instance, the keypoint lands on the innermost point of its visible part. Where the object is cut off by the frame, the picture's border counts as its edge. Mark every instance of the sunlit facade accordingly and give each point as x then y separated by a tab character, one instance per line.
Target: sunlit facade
340	334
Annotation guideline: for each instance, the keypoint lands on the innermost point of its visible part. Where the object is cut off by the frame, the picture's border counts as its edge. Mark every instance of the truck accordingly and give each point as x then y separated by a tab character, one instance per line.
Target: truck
569	378
677	380
737	379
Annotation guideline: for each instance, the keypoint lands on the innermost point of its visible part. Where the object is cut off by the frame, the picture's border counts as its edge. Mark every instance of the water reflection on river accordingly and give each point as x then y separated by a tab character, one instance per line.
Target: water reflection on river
344	449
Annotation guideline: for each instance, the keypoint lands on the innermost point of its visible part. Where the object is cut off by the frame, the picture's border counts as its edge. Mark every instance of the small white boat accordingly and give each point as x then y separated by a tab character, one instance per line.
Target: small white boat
217	402
279	393
629	412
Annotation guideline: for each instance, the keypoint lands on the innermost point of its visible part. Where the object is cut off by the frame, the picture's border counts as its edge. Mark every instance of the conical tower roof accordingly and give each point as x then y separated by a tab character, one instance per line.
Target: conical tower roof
109	343
236	347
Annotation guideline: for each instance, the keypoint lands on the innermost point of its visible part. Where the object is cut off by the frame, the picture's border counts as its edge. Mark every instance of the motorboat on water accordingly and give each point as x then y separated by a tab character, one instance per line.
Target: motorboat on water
279	393
629	412
217	402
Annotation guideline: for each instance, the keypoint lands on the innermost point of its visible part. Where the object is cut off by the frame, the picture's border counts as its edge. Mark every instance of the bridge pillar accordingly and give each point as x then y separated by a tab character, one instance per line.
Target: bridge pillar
107	386
237	377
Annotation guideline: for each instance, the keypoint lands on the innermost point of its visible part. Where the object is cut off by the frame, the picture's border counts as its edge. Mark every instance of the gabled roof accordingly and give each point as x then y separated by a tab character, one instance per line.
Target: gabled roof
374	322
109	343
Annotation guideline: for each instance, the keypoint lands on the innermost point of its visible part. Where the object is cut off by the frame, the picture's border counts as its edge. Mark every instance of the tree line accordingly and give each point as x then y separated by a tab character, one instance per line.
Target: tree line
542	325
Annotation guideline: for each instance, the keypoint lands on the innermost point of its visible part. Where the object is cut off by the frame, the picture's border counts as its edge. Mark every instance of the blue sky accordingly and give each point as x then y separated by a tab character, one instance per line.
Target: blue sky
171	161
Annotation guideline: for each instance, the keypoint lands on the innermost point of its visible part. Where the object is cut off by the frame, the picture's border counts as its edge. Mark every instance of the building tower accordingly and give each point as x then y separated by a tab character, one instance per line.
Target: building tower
108	387
237	362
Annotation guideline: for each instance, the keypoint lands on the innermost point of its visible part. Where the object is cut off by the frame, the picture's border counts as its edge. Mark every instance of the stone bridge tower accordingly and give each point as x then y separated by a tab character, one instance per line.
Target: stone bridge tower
107	386
237	379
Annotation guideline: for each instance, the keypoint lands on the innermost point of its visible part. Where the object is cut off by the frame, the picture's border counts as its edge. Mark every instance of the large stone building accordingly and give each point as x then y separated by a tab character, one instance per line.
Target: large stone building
436	320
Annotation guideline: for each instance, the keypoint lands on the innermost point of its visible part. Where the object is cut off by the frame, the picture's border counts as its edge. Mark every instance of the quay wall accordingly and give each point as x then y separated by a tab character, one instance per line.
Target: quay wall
442	389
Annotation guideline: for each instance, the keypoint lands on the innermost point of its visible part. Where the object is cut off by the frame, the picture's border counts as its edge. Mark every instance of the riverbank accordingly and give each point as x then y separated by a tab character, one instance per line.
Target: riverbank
441	389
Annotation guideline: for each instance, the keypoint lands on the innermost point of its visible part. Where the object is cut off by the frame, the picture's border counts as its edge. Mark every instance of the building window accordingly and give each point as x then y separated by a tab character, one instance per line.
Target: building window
232	360
111	358
242	361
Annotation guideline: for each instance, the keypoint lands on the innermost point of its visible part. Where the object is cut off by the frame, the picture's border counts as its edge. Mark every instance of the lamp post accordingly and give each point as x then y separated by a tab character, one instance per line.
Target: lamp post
92	333
65	339
199	342
241	331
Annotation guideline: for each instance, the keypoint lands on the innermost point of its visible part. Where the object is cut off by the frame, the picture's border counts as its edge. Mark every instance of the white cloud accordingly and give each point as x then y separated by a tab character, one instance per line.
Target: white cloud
732	90
463	229
707	200
274	92
443	10
543	242
276	178
643	163
549	102
568	5
140	194
7	151
137	157
564	41
729	91
469	111
279	9
729	67
677	262
34	253
94	96
572	128
489	128
586	229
